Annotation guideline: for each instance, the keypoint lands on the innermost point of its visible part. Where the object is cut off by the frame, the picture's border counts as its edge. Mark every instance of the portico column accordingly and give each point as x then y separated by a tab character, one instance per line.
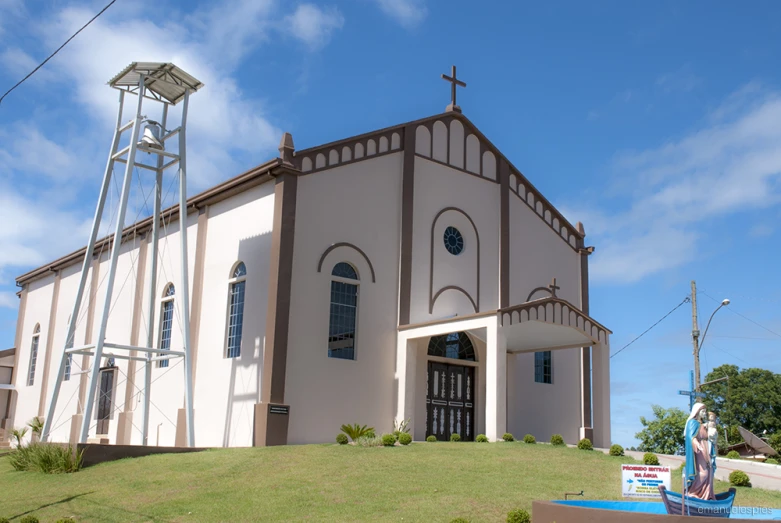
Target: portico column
600	364
496	382
405	381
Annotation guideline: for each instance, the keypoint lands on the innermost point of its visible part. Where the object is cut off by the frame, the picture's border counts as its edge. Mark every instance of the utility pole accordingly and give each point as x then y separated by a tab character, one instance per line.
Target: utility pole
695	338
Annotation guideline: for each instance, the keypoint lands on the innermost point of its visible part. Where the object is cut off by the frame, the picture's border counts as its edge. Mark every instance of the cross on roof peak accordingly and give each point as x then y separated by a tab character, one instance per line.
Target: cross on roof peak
453	83
553	287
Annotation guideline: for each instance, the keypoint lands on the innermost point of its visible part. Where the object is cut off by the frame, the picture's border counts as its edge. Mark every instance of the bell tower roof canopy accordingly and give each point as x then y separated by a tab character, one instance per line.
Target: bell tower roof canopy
165	82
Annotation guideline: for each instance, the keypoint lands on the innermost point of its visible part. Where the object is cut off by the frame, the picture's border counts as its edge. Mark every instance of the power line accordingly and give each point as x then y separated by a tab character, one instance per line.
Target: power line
685	300
743	316
57	51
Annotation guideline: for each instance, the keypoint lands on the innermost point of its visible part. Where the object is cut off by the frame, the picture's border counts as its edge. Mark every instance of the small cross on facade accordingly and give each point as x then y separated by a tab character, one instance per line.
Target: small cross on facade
453	83
553	287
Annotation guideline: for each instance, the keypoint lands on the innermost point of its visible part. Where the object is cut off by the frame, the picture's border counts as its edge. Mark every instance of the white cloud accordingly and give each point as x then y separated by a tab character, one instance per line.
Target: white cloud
313	25
683	80
671	192
408	13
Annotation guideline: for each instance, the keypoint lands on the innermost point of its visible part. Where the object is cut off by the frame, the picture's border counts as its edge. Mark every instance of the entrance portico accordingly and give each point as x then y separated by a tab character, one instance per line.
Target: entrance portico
547	324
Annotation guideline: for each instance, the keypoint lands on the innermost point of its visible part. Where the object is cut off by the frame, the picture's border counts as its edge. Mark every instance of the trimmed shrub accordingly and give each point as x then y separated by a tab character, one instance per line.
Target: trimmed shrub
649	458
529	439
733	454
371	434
431	439
405	438
771	461
455	437
388	440
396	434
481	438
341	439
556	439
29	519
739	478
585	444
518	516
508	437
357	431
46	457
616	450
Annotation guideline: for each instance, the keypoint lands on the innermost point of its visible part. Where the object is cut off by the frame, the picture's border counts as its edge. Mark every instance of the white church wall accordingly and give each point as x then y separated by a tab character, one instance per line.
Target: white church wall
38	307
360	204
226	389
67	403
537	255
476	215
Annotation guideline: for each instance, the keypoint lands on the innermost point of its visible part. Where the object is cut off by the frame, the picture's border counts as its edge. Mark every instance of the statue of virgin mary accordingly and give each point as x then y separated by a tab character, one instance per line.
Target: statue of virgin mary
699	467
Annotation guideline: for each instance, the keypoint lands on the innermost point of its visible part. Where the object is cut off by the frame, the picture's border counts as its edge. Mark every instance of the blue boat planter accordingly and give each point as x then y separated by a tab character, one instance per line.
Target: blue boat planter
677	504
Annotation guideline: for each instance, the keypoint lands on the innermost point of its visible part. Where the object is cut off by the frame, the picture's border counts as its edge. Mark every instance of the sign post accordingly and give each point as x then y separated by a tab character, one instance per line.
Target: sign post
642	481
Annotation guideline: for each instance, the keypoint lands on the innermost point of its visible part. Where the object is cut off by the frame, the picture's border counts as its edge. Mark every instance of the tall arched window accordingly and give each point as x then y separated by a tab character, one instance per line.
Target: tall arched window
236	310
69	358
166	320
344	312
33	355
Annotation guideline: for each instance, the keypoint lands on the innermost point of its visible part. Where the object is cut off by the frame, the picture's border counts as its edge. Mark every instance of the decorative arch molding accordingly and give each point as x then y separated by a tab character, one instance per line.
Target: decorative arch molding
351	246
432	298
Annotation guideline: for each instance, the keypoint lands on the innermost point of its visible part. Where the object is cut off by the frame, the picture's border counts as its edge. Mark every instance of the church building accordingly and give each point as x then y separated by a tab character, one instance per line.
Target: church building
409	273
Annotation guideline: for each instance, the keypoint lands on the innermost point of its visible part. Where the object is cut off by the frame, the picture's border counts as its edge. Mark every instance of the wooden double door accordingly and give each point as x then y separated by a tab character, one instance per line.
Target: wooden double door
450	400
105	399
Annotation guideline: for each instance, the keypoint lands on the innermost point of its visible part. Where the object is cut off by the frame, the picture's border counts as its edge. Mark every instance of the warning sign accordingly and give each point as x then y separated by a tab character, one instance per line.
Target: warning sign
642	481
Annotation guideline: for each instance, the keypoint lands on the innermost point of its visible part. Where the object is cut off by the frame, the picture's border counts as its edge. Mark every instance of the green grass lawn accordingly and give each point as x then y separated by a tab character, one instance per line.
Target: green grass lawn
422	482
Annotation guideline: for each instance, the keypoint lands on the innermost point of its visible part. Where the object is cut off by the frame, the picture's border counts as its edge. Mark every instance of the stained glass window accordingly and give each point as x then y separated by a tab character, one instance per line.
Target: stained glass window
344	309
456	345
166	321
236	310
33	355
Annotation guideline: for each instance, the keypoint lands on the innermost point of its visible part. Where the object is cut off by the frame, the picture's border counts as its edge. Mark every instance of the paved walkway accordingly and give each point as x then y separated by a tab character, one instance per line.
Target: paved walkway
761	475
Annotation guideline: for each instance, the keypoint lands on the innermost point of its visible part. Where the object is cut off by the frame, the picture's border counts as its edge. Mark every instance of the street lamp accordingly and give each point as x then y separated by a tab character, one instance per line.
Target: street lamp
724	303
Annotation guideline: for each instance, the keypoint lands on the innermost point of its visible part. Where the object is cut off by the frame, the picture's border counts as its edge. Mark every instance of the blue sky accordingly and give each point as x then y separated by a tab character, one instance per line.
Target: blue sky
657	125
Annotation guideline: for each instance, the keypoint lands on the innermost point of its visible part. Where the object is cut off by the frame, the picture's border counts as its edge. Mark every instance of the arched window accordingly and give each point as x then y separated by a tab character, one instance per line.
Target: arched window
236	310
166	320
344	311
33	355
69	357
456	345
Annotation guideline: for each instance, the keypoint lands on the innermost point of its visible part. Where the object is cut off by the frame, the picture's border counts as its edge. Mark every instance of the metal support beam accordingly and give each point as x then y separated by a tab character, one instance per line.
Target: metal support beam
104	188
188	362
116	247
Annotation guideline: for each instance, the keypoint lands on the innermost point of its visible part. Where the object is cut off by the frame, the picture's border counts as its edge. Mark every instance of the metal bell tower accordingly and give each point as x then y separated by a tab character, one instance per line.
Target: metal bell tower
166	84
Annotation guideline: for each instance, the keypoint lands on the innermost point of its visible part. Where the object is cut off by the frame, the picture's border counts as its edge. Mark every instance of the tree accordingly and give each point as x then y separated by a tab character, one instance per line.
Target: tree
663	435
751	398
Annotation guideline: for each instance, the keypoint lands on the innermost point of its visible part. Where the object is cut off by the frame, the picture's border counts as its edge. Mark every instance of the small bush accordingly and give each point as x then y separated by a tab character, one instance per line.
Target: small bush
585	444
431	439
649	458
518	516
371	434
405	438
46	457
508	437
357	431
616	450
369	442
29	519
388	440
739	478
341	439
459	520
733	454
481	438
556	439
771	461
529	439
396	434
455	437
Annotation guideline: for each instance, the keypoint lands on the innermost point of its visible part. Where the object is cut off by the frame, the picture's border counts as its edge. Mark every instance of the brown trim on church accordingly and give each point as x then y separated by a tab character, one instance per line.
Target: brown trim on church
47	362
504	233
350	245
445	321
197	297
454	167
135	321
407	220
585	352
433	297
453	288
271	427
541	304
